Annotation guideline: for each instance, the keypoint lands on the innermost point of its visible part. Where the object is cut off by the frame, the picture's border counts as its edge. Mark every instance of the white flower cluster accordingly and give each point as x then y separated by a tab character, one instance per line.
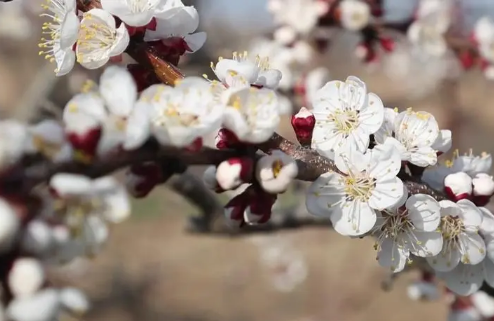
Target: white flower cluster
370	145
95	37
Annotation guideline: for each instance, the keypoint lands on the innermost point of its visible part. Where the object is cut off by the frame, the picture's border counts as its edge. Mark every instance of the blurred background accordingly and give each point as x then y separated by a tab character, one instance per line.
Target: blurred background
153	269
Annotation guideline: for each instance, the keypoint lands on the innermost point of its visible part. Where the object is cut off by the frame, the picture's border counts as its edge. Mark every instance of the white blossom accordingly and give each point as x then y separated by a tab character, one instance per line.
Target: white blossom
255	70
413	134
460	223
61	34
355	14
468	163
464	279
74	300
458	185
136	13
25	277
184	113
114	107
301	15
483	185
427	34
370	185
484	36
252	114
443	141
178	22
9	224
13	142
38	238
42	306
484	303
346	115
48	138
100	39
275	172
233	172
411	228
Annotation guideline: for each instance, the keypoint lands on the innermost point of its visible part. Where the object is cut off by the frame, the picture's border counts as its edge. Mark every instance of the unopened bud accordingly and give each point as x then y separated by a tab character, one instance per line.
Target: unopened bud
85	143
232	173
483	189
259	210
303	124
387	44
458	186
225	139
141	179
235	208
25	277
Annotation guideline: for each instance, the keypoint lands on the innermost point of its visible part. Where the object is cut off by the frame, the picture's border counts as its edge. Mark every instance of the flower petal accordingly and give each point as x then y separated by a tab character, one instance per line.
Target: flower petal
391	256
386	193
464	279
119	90
71	184
426	244
470	213
445	261
472	248
353	218
424	212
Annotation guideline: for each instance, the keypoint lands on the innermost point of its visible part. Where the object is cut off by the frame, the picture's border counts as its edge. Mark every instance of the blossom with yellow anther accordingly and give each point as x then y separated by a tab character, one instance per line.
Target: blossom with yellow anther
413	134
99	39
354	14
275	172
410	227
60	34
181	115
254	70
368	184
346	115
177	22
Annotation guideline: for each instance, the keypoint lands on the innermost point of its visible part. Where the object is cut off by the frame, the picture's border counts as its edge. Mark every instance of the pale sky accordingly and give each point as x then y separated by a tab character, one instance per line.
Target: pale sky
253	12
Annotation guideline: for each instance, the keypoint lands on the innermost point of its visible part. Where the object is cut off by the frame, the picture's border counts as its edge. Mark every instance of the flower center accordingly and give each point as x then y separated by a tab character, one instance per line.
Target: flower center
359	188
345	121
45	148
95	37
276	167
74	211
138	6
451	228
172	116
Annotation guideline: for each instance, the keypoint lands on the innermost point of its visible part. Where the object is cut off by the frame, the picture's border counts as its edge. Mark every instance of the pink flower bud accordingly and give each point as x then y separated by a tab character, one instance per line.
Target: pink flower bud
458	186
303	124
209	178
466	59
141	179
85	143
232	173
235	208
387	44
483	189
259	210
226	139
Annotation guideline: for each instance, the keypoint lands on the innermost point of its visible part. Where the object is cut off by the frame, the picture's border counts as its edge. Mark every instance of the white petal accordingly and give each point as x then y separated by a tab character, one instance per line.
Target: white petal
487	226
74	300
43	306
387	128
472	248
195	41
371	115
443	141
445	261
350	160
386	193
71	184
391	256
88	104
101	14
118	89
470	213
464	279
138	127
424	212
116	199
385	162
426	244
449	208
9	223
121	42
69	30
315	202
25	277
65	60
353	218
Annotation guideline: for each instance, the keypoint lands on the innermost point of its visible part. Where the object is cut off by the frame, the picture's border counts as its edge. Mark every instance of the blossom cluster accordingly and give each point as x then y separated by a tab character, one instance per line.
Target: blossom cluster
372	148
99	35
